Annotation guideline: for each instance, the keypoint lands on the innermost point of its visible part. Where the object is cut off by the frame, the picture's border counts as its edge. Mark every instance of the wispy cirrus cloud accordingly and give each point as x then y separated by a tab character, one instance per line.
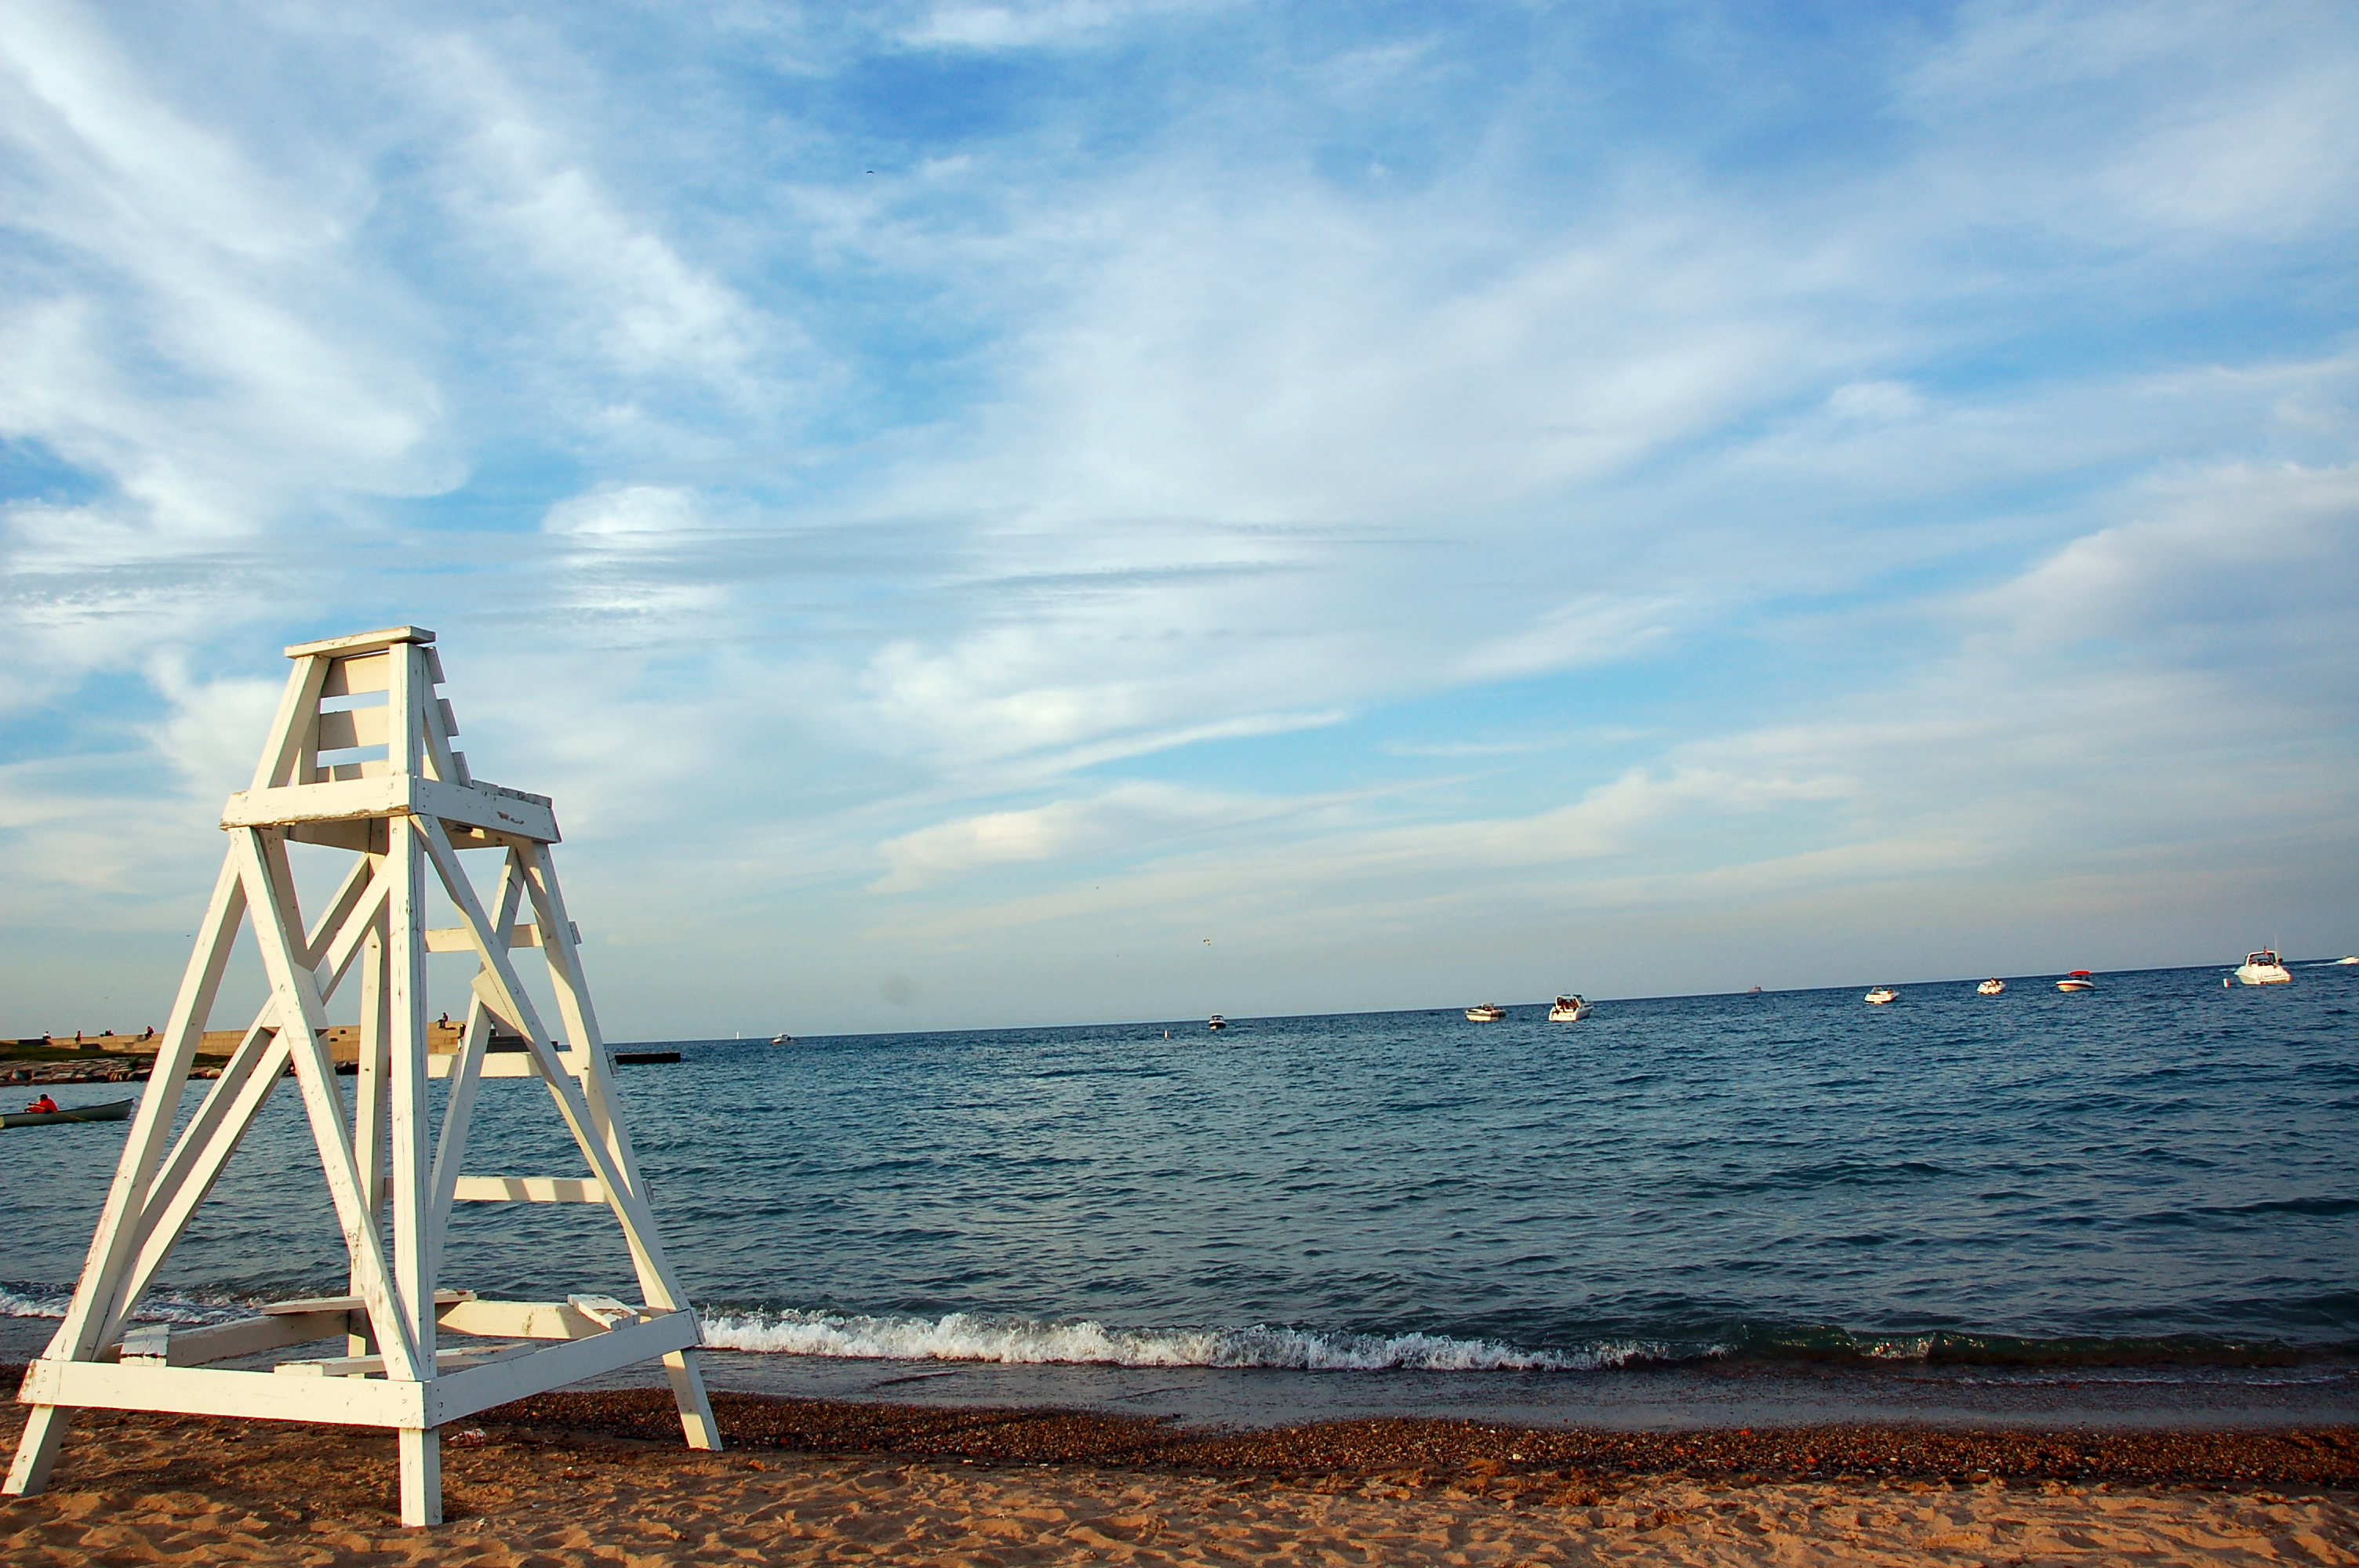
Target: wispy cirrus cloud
1025	474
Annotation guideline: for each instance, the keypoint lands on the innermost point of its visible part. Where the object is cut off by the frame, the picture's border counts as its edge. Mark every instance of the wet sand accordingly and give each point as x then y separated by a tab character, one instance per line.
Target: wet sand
600	1478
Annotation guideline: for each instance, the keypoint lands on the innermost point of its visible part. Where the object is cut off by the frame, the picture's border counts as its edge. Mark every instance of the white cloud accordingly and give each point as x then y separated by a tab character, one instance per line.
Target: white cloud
862	558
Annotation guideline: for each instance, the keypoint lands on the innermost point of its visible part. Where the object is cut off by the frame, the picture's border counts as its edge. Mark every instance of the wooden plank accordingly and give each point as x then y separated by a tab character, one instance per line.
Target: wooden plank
413	1250
479	1388
487	806
340	801
352	727
211	1390
290	730
507	1064
445	1362
441	724
362	642
406	729
521	1320
372	1069
352	835
527	1189
359	674
459	939
421	1457
353	1302
245	1337
480	806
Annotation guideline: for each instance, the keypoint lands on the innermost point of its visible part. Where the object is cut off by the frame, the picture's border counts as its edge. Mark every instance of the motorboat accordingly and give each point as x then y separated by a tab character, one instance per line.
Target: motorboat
1567	1009
1991	986
2077	980
1881	995
1217	1022
2352	958
2263	969
782	1039
1485	1012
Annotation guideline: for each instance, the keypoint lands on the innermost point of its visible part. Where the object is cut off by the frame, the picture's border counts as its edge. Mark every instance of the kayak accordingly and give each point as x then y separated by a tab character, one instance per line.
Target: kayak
113	1111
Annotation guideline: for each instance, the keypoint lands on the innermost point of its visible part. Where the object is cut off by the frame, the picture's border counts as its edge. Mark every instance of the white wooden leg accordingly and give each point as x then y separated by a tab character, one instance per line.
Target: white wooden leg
421	1476
695	1408
45	1428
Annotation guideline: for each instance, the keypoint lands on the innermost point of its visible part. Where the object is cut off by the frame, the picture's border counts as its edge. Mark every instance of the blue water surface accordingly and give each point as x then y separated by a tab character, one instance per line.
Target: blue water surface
2161	1167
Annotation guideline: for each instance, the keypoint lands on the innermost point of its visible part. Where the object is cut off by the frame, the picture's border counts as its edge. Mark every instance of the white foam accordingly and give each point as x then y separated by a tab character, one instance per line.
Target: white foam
44	1305
158	1306
963	1337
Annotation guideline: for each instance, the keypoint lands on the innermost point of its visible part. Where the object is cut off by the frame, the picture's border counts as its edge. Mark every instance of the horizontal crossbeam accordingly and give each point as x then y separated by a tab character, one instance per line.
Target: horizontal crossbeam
506	813
527	1189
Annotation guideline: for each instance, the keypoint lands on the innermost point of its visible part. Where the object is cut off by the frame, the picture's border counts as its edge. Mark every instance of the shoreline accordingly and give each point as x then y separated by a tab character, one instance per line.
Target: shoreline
2314	1457
582	1478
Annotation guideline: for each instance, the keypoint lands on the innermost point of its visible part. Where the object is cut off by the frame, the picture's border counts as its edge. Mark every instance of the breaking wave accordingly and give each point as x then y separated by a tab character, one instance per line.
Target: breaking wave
964	1336
156	1306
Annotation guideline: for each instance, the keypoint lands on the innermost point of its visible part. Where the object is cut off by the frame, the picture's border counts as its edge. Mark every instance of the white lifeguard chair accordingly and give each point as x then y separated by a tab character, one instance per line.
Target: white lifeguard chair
374	774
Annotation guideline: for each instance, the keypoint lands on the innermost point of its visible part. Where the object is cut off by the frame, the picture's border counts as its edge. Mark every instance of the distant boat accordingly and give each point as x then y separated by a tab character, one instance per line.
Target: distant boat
2077	980
1485	1012
1217	1022
1991	986
2263	969
2354	958
1568	1009
113	1111
782	1039
1755	991
1881	995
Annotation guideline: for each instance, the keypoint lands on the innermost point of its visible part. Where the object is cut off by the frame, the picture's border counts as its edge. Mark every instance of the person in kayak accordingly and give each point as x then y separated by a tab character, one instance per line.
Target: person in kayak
43	1105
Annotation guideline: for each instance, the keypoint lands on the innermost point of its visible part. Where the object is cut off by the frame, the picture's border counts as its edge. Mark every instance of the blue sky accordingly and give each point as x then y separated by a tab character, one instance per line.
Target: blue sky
962	504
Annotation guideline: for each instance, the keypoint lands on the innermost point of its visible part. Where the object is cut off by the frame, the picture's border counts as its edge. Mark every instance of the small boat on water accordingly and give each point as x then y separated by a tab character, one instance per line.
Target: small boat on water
2263	969
113	1111
1567	1009
1485	1012
782	1039
1881	995
1217	1022
2077	980
2352	958
1991	986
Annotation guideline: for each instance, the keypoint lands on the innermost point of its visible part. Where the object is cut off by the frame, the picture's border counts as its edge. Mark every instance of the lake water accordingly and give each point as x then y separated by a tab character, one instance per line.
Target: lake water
2153	1185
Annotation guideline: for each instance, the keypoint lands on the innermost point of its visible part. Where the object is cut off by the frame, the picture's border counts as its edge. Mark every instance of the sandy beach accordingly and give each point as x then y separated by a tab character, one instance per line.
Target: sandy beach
586	1478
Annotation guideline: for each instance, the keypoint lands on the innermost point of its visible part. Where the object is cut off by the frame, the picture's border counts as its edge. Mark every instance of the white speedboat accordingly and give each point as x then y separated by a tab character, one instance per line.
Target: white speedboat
1485	1012
1217	1022
1881	995
1568	1009
1991	986
2354	958
2263	969
2077	980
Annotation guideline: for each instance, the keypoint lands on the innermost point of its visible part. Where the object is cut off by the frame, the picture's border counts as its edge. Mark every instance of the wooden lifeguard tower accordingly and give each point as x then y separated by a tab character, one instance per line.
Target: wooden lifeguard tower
360	759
